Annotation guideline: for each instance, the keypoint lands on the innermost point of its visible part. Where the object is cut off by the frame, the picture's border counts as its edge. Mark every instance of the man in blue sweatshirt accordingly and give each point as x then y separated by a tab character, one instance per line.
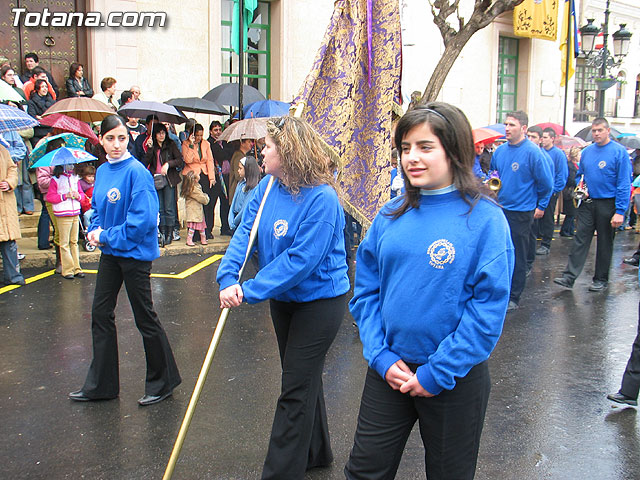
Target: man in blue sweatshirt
526	188
561	173
607	171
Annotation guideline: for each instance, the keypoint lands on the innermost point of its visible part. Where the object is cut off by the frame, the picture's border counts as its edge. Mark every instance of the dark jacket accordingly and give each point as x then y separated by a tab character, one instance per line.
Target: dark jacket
170	154
74	86
37	105
568	208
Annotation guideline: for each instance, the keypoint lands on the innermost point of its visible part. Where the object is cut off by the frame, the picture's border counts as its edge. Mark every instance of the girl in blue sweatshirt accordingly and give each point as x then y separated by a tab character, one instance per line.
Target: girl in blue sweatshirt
431	292
303	273
124	225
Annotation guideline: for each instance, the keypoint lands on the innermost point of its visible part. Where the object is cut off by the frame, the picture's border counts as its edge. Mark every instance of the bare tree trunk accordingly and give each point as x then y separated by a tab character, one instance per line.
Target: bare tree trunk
448	58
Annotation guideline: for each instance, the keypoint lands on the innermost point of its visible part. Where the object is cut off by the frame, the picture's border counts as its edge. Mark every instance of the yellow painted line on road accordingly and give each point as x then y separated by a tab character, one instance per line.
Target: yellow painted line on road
179	276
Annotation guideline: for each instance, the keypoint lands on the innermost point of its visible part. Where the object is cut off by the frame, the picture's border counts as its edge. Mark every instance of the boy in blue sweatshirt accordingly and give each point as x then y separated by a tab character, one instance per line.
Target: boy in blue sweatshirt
561	174
430	296
607	172
526	187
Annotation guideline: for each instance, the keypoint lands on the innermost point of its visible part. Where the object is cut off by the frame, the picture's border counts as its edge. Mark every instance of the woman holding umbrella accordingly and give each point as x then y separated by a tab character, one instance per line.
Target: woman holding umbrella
163	159
38	103
124	224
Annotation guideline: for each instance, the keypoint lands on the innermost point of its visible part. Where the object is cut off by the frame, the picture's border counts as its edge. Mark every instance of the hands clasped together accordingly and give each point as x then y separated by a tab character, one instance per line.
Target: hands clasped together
400	377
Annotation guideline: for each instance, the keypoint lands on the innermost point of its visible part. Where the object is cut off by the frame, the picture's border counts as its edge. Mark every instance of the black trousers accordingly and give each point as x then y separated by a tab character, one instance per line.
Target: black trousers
547	222
300	434
631	377
217	193
450	427
103	377
593	216
533	242
520	226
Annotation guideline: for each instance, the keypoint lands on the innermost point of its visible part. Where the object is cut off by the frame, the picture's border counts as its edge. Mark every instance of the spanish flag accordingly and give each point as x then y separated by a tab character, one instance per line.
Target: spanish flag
536	19
570	37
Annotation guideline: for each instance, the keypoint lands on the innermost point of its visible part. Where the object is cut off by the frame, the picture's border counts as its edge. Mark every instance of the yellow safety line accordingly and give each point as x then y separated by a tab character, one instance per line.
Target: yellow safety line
180	276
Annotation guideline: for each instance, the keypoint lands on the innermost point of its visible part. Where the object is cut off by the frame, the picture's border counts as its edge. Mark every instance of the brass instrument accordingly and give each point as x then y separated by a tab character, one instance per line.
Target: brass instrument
492	180
580	193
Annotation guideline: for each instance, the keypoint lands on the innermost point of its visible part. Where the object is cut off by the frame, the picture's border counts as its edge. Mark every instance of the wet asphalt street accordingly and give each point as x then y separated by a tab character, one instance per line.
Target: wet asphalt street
548	417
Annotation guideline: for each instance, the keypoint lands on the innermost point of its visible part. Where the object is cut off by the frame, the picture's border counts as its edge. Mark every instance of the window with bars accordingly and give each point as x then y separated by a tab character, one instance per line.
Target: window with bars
585	106
257	58
507	77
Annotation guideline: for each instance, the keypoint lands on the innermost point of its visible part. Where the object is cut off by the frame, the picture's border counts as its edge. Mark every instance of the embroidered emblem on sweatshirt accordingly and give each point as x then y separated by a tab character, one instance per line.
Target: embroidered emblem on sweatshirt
280	228
440	253
602	164
515	166
113	195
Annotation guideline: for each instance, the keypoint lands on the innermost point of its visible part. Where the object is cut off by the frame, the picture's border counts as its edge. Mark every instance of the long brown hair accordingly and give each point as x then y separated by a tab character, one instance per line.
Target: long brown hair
188	184
302	154
452	128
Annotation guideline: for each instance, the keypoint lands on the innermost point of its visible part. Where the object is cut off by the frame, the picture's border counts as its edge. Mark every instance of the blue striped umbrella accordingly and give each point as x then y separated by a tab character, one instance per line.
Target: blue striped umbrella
12	118
64	156
70	140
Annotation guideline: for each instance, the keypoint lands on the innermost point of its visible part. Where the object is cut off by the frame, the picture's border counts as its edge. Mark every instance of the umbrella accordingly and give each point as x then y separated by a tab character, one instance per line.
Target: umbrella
197	105
266	108
227	94
70	124
565	141
64	156
12	118
8	94
70	140
556	128
585	134
249	128
81	108
485	135
630	142
498	127
164	112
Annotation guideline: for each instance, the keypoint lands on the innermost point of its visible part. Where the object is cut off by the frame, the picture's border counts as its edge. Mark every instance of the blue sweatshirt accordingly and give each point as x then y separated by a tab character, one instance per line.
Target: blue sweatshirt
300	245
607	172
526	178
240	199
125	205
432	287
560	168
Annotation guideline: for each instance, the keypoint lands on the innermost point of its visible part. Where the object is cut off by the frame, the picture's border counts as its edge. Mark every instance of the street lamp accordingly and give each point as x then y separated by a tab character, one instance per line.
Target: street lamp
602	59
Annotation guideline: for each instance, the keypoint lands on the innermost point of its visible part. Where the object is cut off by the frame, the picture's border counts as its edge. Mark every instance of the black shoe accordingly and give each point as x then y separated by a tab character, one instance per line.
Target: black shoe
168	235
80	275
226	233
621	398
566	235
68	277
79	396
597	286
151	399
633	261
563	281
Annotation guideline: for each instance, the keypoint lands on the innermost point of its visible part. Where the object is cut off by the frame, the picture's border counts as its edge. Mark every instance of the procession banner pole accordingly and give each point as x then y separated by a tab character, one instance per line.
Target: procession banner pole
570	38
195	396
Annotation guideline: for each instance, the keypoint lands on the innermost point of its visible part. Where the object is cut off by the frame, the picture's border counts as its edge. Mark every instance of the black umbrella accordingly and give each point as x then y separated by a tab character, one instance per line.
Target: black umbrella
197	105
164	112
585	134
227	94
630	142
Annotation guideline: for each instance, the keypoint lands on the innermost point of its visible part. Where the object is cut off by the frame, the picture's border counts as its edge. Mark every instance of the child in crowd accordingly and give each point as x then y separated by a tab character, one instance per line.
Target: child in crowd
195	198
65	194
87	174
249	172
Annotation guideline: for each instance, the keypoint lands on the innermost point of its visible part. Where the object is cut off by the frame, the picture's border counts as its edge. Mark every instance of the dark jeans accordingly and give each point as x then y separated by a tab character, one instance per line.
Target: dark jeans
300	434
520	227
167	206
43	227
594	216
450	427
547	222
631	378
10	264
103	380
568	228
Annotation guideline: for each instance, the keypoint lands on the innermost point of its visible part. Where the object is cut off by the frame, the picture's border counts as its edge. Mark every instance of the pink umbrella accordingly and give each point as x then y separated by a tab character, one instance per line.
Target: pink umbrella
70	124
485	135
